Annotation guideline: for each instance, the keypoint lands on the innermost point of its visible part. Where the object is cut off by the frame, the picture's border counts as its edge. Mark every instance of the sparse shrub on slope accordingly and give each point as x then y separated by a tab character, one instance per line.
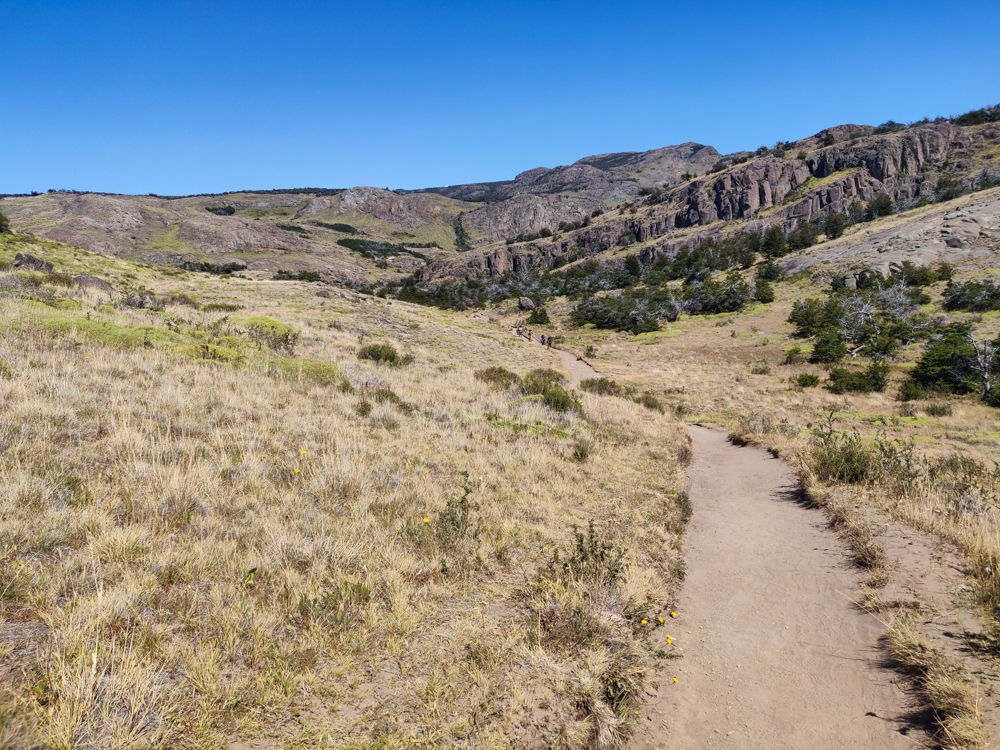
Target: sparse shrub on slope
549	385
539	317
973	296
602	387
4	224
499	377
616	312
873	378
384	354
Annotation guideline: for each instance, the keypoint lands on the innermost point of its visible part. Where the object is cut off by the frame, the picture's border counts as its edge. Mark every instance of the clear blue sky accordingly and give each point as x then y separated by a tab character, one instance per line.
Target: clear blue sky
189	97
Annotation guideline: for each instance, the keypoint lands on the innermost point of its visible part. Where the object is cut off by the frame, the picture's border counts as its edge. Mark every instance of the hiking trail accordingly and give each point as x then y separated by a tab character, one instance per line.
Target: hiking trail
775	653
577	368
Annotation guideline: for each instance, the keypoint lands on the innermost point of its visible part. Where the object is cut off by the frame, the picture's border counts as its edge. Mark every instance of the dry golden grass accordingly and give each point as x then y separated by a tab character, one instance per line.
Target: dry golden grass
196	551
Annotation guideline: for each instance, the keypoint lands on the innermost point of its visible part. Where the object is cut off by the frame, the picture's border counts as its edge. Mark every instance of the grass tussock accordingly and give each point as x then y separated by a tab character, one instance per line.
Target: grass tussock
945	686
316	547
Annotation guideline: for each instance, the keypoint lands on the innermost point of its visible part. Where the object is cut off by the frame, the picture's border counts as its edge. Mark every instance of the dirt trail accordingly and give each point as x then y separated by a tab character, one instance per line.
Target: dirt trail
776	655
578	369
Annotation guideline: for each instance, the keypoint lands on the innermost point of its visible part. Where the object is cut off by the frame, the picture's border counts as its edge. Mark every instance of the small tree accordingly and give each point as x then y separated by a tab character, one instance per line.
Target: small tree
774	245
5	225
983	364
834	224
632	265
763	291
880	205
829	347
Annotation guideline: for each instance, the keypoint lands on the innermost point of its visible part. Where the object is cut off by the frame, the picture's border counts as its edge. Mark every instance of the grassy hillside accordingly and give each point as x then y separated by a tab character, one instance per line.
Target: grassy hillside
220	524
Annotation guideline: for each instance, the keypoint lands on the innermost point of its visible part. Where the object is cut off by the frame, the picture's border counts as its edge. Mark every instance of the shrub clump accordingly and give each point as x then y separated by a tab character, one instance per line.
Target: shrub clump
384	354
806	380
499	377
650	401
539	317
873	378
602	387
309	370
549	385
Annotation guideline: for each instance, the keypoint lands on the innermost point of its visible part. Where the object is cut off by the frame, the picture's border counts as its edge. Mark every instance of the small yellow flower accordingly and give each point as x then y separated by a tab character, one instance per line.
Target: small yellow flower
303	453
660	619
643	622
427	520
263	457
86	357
298	471
675	679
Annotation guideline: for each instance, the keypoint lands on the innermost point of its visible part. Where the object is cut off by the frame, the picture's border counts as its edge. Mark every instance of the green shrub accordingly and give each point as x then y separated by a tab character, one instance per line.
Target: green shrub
974	296
337	227
499	377
650	401
221	210
829	347
939	409
271	333
384	354
601	387
942	367
834	224
310	370
793	356
296	276
461	235
292	228
769	271
581	451
763	292
548	384
775	244
5	225
873	378
880	205
539	317
214	268
806	380
804	235
846	459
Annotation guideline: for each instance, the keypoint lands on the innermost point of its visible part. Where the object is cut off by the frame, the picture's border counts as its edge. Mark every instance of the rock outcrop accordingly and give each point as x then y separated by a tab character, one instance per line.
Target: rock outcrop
31	263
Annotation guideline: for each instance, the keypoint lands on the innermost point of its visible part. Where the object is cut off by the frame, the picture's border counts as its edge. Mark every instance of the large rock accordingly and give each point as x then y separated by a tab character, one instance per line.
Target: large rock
92	282
31	263
525	303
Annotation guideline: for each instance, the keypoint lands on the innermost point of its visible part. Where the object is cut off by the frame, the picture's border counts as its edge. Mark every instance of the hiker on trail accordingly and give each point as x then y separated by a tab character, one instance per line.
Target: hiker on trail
543	339
529	334
520	331
550	341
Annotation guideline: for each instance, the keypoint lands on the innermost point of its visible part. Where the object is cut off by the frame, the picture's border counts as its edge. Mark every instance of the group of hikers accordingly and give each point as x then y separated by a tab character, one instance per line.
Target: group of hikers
526	332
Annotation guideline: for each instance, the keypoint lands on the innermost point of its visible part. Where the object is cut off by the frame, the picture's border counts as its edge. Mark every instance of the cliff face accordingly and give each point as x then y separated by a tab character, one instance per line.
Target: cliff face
828	171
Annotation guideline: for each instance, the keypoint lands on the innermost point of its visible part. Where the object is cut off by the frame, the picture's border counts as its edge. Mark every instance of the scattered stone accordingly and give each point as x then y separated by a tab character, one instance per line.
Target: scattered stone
324	293
30	262
525	303
955	242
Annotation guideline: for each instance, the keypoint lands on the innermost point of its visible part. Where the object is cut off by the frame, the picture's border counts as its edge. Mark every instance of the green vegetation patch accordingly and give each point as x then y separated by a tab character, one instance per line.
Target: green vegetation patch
309	370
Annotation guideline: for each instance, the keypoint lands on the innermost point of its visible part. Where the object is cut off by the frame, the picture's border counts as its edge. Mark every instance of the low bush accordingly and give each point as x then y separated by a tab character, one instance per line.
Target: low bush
769	271
221	210
539	317
296	276
806	380
384	354
548	384
973	296
499	377
602	387
873	378
337	227
938	409
292	228
829	347
214	268
794	356
650	401
880	205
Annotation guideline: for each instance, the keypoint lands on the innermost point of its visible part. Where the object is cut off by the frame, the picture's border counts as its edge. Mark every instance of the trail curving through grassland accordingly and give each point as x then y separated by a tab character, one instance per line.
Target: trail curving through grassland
775	653
578	369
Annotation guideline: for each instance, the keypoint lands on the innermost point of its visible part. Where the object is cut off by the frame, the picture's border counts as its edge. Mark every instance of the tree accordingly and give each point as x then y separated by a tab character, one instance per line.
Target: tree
834	224
763	291
829	347
983	364
804	235
774	244
880	205
5	225
947	188
632	265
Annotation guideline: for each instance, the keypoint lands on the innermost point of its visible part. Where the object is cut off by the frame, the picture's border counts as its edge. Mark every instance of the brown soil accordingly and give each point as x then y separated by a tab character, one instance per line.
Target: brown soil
775	652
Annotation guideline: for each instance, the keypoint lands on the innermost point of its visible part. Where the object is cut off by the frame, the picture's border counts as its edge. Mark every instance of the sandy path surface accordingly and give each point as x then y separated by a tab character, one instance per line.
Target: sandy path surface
775	653
578	369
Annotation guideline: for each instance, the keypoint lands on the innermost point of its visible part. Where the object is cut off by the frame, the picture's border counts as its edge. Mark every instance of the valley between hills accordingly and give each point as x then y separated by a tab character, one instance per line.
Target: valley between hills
277	470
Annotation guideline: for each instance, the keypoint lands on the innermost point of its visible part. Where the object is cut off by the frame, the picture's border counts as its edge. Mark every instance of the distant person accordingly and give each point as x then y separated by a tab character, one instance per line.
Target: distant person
520	331
529	334
550	341
543	339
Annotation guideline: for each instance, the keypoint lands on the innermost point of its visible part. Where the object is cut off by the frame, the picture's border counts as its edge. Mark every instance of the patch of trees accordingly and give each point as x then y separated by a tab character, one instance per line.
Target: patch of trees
218	269
973	296
221	210
955	362
337	227
540	234
461	235
373	249
296	276
292	228
979	116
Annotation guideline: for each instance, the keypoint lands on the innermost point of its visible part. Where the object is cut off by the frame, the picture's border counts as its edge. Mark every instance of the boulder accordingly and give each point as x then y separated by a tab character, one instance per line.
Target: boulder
30	262
955	242
525	303
850	282
92	282
324	293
